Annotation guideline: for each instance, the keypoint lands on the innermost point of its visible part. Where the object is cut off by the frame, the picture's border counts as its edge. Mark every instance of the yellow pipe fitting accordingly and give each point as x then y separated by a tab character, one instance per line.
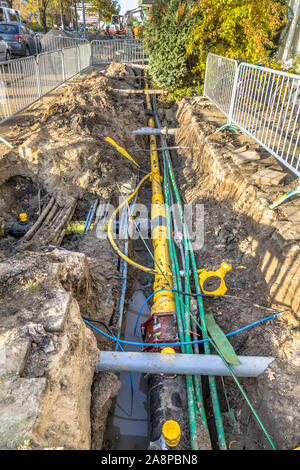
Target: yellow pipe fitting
77	227
171	432
220	273
23	217
168	351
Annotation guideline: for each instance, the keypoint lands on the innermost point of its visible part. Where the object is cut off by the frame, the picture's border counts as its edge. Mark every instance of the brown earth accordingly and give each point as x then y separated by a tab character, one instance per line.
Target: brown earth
62	162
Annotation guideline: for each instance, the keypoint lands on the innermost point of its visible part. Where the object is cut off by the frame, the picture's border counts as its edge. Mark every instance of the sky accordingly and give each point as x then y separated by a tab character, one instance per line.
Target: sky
128	5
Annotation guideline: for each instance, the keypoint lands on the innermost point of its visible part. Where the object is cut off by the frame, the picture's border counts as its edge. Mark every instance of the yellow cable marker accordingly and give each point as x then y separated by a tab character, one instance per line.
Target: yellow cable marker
121	150
204	275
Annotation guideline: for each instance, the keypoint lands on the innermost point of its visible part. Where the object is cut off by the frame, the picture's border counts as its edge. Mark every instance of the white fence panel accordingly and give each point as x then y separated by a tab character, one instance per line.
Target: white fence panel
19	86
47	43
71	61
266	106
51	71
262	102
219	83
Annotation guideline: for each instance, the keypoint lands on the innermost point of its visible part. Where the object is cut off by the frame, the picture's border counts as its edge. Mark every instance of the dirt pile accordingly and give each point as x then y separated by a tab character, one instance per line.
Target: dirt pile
60	164
69	146
64	152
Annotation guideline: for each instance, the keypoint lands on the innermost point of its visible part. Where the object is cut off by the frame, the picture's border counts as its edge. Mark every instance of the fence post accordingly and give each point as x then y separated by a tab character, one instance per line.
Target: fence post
63	65
233	96
78	59
91	54
38	75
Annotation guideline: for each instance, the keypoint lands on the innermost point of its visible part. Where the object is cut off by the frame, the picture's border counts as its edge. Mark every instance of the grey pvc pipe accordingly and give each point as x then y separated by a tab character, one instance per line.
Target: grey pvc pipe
181	364
154	131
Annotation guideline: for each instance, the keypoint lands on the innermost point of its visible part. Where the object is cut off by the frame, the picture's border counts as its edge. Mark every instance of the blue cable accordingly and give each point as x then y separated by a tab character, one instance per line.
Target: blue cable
205	340
58	247
180	344
87	220
142	308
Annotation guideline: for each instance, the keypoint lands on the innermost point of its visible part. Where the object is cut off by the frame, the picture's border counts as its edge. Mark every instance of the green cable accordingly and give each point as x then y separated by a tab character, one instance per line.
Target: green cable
202	315
176	282
174	261
212	382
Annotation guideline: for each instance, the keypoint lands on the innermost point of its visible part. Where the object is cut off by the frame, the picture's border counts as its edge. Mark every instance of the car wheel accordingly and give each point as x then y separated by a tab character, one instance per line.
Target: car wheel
7	55
27	51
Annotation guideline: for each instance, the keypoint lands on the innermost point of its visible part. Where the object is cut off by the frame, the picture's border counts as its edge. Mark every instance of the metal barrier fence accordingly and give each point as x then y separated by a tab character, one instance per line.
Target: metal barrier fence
24	81
50	69
219	81
71	62
121	50
47	43
262	102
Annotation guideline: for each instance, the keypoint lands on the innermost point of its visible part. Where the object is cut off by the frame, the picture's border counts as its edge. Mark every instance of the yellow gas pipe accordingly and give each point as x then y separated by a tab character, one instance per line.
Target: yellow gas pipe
163	302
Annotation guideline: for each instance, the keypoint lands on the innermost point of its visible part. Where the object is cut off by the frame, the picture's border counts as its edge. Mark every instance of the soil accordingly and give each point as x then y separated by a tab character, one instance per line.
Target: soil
62	156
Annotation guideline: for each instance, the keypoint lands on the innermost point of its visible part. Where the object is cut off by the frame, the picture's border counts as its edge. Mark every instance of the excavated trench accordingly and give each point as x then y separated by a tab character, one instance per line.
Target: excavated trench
59	166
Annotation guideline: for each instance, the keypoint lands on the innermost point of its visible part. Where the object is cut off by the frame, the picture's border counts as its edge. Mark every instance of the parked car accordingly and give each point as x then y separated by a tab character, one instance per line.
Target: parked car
5	53
20	39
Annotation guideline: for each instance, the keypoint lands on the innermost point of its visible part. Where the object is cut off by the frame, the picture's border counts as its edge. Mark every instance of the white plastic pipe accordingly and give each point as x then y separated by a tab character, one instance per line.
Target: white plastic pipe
181	364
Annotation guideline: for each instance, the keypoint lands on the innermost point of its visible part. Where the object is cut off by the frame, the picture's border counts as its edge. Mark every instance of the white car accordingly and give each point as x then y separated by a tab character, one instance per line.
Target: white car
5	53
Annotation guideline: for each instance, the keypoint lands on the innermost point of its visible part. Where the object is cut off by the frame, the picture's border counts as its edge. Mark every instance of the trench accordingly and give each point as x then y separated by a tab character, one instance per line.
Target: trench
126	422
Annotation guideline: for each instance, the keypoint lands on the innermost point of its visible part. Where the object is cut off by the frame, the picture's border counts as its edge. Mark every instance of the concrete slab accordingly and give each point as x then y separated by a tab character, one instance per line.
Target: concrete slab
20	402
14	348
269	177
241	158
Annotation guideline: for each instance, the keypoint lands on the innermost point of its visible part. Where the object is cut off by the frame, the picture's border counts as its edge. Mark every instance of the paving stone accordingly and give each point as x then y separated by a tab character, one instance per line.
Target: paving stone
14	348
248	156
269	177
20	402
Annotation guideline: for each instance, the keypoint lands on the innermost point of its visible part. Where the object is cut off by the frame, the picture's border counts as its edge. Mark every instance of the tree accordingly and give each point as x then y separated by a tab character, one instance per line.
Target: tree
104	8
166	34
179	35
240	29
42	9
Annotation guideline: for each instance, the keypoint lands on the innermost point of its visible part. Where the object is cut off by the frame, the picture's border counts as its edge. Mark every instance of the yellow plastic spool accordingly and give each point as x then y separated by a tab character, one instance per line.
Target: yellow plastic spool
23	217
220	273
171	432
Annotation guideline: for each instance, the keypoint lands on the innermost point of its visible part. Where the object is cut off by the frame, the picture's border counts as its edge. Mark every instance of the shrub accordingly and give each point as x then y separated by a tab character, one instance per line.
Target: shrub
166	35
